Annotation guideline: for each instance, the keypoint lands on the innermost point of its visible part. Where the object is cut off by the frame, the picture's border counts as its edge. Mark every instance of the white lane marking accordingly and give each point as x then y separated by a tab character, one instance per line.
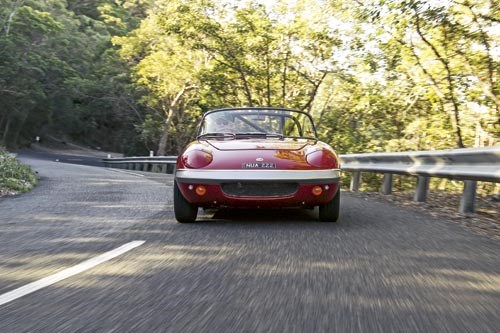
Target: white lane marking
127	172
49	280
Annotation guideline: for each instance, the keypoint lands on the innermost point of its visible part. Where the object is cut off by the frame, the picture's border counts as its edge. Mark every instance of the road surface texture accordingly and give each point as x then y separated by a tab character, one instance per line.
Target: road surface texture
381	269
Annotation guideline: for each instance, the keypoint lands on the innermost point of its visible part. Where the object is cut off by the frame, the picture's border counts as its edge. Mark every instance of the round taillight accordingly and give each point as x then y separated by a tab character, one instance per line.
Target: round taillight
196	158
322	158
201	190
317	190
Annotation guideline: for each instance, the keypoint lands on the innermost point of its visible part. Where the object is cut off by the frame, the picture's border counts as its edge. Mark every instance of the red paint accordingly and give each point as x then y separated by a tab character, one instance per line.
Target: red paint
286	155
214	197
230	154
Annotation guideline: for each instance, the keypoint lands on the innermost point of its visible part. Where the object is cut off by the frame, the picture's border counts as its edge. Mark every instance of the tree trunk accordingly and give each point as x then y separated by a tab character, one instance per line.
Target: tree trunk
492	79
162	145
19	128
268	79
172	108
449	80
3	119
314	92
284	80
10	17
6	132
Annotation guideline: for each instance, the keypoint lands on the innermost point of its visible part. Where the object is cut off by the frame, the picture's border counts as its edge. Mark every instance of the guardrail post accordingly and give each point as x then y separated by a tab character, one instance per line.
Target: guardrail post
164	168
387	183
156	168
422	188
170	168
137	166
355	181
468	197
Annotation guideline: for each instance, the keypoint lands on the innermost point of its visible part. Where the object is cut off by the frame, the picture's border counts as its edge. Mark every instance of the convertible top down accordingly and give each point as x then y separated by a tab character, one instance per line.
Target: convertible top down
257	157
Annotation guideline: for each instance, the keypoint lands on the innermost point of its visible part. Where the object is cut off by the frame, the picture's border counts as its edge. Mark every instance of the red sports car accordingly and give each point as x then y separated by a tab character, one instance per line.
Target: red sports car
257	157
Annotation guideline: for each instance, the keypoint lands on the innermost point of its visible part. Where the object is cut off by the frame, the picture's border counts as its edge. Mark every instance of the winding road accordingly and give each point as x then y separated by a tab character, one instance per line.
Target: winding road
382	268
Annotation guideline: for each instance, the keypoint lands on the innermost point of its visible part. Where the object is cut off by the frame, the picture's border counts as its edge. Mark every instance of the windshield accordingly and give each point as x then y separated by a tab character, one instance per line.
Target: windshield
257	122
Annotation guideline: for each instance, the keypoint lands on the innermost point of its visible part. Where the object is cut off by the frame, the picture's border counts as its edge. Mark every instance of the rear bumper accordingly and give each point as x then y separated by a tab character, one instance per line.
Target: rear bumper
188	180
197	176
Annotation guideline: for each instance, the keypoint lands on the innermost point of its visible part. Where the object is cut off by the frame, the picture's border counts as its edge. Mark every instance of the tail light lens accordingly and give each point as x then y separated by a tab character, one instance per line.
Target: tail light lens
317	190
196	158
322	158
201	190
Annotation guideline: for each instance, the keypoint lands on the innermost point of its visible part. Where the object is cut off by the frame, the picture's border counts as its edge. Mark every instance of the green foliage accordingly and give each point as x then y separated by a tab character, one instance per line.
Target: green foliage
194	56
136	75
14	176
446	51
61	75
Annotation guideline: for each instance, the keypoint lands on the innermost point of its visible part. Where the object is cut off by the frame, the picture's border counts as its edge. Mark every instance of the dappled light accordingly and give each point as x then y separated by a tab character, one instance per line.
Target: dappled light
377	75
236	269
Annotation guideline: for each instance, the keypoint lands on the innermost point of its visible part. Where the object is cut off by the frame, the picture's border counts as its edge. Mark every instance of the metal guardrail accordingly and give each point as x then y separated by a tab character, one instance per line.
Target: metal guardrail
162	164
470	165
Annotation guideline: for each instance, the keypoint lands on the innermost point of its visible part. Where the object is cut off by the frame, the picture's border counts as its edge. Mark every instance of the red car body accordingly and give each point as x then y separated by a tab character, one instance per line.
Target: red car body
271	159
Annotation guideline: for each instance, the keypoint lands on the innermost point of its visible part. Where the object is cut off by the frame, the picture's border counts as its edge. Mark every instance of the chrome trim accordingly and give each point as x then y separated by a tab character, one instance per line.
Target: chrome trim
218	176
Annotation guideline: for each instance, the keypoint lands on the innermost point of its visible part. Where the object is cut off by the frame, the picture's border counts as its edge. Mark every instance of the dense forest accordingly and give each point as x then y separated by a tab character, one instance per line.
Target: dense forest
136	75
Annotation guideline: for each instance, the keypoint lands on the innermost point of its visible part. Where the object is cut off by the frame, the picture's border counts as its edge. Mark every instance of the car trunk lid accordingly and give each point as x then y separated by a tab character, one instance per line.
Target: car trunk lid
260	144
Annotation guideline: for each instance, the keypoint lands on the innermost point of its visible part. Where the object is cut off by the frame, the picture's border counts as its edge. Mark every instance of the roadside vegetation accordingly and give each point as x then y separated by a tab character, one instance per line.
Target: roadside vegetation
132	76
14	177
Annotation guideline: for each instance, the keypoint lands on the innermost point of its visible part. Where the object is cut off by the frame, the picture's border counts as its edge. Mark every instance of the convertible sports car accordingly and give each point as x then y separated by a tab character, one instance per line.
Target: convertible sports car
257	158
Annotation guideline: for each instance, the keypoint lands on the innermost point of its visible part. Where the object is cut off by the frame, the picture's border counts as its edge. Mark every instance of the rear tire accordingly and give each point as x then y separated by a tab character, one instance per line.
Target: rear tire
185	212
330	211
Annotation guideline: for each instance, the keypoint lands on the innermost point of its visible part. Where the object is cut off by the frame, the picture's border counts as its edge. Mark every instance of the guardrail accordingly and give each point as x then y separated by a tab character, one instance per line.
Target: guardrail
162	164
470	165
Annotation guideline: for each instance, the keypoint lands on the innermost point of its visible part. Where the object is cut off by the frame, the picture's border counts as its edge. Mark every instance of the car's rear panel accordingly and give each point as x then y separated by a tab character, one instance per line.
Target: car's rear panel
251	173
216	195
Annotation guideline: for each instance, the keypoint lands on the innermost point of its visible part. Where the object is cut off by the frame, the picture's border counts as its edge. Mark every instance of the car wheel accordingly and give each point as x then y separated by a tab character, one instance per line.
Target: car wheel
330	211
185	212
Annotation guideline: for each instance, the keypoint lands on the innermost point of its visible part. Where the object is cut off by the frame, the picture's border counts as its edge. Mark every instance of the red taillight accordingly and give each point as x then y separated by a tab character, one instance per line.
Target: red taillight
196	158
323	158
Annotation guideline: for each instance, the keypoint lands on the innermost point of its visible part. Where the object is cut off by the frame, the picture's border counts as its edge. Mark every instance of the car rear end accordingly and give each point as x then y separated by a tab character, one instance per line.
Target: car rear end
306	176
257	157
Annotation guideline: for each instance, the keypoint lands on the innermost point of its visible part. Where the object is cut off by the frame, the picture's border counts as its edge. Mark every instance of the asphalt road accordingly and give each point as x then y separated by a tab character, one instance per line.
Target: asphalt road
63	158
381	269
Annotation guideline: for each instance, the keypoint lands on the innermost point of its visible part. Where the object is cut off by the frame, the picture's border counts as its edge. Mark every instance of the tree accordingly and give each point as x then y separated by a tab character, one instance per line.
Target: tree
166	69
199	55
445	52
60	74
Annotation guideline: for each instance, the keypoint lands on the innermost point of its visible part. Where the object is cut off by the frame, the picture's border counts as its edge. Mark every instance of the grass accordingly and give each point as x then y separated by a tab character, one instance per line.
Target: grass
14	177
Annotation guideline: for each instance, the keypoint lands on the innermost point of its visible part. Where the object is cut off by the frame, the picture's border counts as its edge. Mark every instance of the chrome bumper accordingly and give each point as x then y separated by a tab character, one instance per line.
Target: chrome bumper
220	176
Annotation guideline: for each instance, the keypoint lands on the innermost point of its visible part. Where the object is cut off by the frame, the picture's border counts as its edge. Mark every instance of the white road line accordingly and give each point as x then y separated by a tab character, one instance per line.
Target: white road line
127	172
49	280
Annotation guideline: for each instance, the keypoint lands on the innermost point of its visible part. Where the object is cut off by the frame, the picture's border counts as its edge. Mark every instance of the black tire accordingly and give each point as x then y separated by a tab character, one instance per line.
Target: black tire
185	212
330	211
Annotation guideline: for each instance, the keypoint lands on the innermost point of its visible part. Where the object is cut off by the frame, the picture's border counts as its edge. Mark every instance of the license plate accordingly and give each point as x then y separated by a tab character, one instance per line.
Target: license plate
258	165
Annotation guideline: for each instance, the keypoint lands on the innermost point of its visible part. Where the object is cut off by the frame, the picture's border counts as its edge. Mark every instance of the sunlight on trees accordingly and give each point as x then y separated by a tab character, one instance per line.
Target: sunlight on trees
136	75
